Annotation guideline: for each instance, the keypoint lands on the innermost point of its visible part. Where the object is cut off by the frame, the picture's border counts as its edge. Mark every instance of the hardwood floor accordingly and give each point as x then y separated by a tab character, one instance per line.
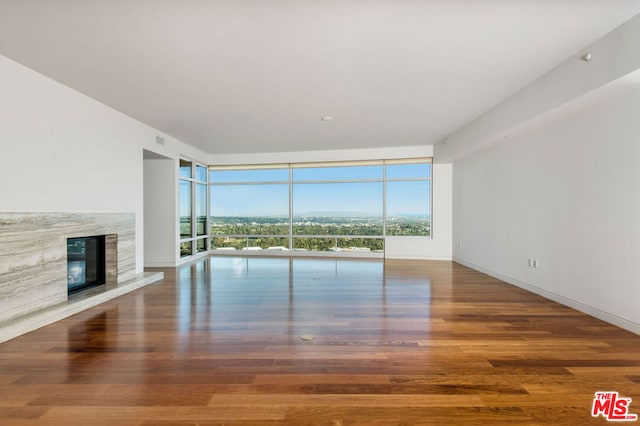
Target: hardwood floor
401	342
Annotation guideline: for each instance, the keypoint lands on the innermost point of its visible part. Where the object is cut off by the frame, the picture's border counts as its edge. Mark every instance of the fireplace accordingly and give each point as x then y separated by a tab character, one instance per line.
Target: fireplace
86	266
34	270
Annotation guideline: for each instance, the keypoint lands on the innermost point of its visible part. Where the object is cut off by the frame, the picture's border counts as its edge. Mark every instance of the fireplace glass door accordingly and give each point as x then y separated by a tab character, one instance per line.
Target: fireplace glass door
85	262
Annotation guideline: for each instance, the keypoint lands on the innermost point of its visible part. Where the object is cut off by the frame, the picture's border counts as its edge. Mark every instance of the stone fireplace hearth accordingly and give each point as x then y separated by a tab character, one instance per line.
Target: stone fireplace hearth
33	261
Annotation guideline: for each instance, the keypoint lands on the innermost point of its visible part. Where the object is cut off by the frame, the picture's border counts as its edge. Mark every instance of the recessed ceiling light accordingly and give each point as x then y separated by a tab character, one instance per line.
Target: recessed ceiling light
327	118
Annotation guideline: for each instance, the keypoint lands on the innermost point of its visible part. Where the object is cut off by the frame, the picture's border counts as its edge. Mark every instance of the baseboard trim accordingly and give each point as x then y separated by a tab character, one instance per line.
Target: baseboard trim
578	306
447	258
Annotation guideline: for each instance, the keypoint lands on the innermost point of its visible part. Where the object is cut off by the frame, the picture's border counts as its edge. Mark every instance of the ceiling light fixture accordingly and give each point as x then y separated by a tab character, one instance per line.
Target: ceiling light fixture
327	118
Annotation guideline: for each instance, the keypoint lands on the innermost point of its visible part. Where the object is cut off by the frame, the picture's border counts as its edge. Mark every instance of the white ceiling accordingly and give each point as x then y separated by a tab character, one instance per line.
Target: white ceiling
247	76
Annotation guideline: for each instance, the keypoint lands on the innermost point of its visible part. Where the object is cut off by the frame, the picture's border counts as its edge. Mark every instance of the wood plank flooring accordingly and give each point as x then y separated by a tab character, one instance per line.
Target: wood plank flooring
396	342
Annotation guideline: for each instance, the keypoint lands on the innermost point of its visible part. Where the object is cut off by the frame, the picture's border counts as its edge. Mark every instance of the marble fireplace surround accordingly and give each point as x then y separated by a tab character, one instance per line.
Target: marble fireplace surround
33	266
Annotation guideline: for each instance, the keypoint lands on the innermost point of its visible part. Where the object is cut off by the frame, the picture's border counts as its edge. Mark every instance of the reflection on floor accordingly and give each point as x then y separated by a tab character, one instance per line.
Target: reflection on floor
396	342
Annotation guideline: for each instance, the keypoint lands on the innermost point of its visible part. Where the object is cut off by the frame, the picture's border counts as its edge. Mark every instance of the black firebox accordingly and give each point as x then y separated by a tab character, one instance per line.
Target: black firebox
85	262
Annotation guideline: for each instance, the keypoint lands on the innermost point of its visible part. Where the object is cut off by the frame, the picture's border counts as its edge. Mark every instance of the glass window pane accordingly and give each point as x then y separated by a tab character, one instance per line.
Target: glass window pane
314	244
337	173
250	175
418	170
201	209
185	209
337	208
408	208
185	168
228	243
360	245
339	244
268	243
250	209
201	245
185	249
251	244
201	173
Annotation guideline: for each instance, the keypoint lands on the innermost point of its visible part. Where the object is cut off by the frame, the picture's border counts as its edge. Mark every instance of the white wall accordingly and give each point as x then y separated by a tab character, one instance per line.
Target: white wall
438	247
61	151
566	192
160	238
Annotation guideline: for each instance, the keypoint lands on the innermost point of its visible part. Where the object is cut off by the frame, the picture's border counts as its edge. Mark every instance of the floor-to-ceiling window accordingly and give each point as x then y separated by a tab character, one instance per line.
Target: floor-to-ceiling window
340	207
250	208
193	205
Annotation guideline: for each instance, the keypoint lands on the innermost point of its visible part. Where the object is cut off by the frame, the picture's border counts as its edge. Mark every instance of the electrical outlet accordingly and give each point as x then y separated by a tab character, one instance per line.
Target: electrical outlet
535	263
530	262
459	244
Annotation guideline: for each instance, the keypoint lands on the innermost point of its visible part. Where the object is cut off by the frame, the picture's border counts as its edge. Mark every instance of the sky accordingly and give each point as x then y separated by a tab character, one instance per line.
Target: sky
404	198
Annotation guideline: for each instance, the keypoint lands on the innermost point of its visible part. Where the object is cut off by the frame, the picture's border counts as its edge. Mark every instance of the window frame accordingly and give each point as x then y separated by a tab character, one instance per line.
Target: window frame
291	236
193	240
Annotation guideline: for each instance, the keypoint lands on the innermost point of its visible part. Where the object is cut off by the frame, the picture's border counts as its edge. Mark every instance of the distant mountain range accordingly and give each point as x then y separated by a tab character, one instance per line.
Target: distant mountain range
319	213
